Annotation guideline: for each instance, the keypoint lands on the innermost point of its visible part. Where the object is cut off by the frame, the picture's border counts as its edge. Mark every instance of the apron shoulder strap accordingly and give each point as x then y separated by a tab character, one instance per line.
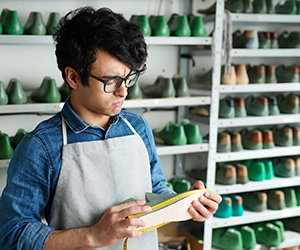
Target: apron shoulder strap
130	126
64	131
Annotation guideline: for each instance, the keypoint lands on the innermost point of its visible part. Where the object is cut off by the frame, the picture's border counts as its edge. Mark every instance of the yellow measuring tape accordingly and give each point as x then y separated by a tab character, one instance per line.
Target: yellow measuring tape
161	205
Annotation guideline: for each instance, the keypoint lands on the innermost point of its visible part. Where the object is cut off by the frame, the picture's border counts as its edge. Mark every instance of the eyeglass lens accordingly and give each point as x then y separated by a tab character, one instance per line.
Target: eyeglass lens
113	84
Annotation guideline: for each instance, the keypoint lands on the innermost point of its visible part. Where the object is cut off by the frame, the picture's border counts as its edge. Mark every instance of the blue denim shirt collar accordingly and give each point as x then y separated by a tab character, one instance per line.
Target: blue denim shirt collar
76	124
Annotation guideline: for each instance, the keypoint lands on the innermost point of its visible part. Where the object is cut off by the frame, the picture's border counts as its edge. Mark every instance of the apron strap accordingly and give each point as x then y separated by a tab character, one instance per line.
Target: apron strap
130	126
64	131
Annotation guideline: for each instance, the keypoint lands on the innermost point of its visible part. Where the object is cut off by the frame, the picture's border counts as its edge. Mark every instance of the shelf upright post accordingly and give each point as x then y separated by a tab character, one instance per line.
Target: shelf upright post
184	72
214	114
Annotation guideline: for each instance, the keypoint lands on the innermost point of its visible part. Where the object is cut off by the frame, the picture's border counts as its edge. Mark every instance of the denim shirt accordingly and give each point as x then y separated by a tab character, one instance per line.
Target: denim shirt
34	170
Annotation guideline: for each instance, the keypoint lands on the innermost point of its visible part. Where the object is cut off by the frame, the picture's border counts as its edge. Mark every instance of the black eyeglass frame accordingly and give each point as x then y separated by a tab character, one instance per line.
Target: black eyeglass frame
119	83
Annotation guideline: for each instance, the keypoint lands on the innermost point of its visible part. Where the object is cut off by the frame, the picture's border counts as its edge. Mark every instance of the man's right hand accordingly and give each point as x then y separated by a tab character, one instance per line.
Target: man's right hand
113	226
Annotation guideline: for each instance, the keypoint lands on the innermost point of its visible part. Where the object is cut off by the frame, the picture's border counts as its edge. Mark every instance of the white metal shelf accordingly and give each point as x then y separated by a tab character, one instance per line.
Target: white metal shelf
260	88
183	149
258	120
265	53
144	103
4	163
251	217
276	182
255	154
31	108
166	102
48	40
172	40
265	19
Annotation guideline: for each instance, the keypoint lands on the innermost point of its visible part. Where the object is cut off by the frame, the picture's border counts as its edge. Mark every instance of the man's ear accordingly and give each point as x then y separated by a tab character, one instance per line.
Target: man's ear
72	77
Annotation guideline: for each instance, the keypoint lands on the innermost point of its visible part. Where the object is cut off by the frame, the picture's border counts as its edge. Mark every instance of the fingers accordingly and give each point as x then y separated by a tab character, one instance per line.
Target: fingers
203	208
198	185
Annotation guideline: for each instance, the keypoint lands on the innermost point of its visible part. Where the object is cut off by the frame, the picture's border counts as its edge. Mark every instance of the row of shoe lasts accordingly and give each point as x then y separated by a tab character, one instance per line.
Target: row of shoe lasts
275	199
288	7
10	23
257	170
230	107
256	139
270	234
163	87
177	25
259	106
48	92
244	74
178	184
8	144
252	39
178	134
254	170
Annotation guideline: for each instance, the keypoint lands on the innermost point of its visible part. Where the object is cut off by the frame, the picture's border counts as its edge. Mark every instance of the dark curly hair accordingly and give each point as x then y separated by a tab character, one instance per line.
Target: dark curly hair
82	31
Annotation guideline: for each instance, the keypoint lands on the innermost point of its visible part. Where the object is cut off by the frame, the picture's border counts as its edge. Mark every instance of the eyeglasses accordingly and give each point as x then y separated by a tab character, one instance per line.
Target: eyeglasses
112	84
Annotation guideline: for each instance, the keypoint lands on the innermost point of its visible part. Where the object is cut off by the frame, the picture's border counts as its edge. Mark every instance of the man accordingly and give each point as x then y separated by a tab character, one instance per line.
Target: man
76	166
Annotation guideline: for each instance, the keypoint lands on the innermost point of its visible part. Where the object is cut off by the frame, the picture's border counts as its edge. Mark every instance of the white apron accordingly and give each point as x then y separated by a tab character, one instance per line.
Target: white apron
96	175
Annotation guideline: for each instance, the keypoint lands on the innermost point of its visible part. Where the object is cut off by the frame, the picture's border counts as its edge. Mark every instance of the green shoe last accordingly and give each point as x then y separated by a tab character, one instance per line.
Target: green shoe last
248	236
226	174
3	95
52	23
239	107
256	169
181	87
257	105
268	234
47	92
224	143
252	139
273	105
15	140
242	173
12	24
192	132
237	205
234	6
65	91
226	109
227	239
159	26
255	201
161	88
287	7
35	24
225	208
179	26
270	7
276	200
288	104
284	167
264	39
197	26
6	150
134	92
256	74
259	6
283	137
143	22
15	92
290	197
172	134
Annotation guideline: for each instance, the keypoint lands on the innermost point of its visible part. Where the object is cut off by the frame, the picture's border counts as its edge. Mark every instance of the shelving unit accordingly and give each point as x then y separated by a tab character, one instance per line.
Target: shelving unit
215	90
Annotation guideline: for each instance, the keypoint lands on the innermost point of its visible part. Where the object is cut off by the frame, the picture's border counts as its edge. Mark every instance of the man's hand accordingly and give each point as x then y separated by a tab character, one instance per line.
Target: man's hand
115	224
203	208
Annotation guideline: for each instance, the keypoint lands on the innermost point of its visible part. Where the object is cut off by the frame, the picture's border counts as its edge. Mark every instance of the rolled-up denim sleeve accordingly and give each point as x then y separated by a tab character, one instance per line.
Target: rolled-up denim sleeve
157	175
25	197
